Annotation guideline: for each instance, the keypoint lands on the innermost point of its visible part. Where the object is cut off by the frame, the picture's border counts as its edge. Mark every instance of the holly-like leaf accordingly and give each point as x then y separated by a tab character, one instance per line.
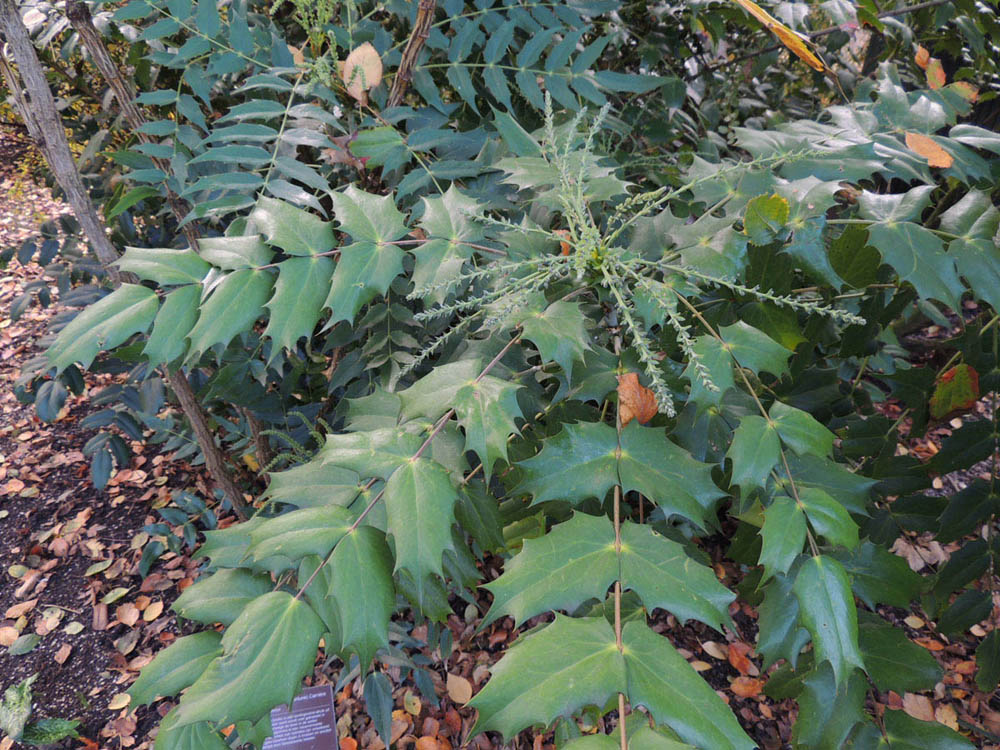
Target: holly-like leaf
176	667
662	681
783	534
364	603
576	561
582	461
828	517
827	711
449	222
894	662
221	597
754	349
764	217
104	325
434	393
755	450
529	685
373	453
644	738
559	333
420	507
955	391
234	253
314	484
903	732
198	736
309	531
164	265
174	321
368	218
294	230
880	577
295	307
918	256
827	609
719	365
800	431
988	659
781	635
233	308
243	683
486	410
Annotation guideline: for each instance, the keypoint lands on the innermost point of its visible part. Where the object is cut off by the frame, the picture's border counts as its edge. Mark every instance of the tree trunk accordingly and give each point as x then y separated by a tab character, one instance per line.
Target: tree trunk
44	123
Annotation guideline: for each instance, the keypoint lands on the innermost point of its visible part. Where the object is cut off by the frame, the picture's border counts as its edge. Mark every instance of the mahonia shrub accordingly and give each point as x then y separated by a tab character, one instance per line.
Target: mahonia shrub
479	332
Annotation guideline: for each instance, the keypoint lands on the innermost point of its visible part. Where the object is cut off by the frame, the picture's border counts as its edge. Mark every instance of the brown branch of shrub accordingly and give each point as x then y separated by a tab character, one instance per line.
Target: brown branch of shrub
421	30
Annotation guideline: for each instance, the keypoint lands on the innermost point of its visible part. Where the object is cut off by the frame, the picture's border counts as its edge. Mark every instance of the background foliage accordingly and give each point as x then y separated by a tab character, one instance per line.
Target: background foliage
432	309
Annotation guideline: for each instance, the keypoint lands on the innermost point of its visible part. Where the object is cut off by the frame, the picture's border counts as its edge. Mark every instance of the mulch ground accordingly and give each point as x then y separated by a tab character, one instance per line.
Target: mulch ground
75	611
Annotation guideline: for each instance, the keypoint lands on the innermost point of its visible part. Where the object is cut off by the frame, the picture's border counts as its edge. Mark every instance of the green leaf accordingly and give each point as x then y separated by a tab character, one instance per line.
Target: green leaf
199	736
15	708
449	222
243	683
662	681
783	534
486	410
719	364
582	461
880	577
755	450
988	659
559	333
103	326
827	610
644	738
754	349
894	662
234	253
314	484
364	603
374	453
764	217
828	517
299	293
294	230
309	531
420	508
781	635
828	712
173	323
176	667
918	256
528	686
234	306
45	732
434	393
222	596
368	219
903	732
800	431
364	271
164	265
576	561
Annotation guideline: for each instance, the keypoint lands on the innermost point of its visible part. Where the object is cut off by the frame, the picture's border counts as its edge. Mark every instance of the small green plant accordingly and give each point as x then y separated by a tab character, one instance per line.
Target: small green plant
15	712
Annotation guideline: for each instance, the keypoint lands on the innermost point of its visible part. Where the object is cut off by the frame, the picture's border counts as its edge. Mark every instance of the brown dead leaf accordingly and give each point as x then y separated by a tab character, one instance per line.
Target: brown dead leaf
929	643
746	687
795	43
427	743
119	701
966	90
918	706
348	743
362	70
63	653
563	242
715	650
8	635
635	401
700	666
100	620
929	149
946	715
17	610
738	657
965	667
127	614
459	689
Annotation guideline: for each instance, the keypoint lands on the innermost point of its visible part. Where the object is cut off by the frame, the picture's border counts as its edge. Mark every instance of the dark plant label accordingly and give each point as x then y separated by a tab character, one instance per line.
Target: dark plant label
309	725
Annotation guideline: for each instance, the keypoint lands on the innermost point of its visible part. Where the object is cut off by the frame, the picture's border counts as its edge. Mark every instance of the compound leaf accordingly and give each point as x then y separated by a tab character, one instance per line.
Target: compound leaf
294	230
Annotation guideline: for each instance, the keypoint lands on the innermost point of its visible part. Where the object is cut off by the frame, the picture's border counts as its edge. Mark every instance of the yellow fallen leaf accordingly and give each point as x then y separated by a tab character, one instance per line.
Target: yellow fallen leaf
119	701
362	70
795	43
927	148
918	706
459	689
